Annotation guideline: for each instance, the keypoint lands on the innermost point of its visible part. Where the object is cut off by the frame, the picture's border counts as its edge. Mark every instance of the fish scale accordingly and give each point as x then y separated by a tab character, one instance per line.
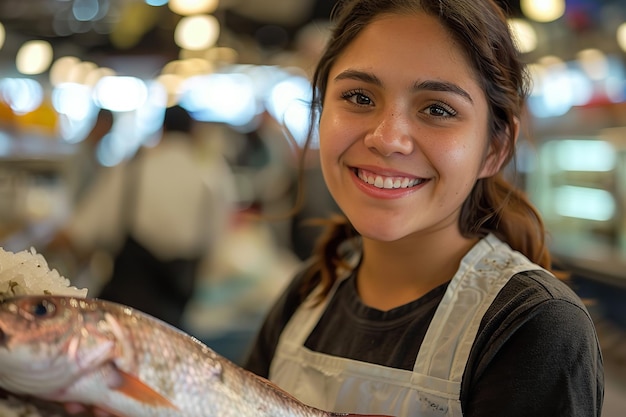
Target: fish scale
106	355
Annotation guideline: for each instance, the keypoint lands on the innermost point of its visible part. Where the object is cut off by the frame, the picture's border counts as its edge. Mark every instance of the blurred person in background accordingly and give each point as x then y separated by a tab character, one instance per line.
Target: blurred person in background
82	172
434	295
86	158
159	215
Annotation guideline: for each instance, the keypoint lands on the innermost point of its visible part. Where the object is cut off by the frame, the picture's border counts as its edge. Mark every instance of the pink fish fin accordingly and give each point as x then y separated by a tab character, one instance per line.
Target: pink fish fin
132	387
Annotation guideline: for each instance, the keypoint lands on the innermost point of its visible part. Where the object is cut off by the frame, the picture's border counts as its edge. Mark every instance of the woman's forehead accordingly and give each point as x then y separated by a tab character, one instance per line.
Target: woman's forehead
412	47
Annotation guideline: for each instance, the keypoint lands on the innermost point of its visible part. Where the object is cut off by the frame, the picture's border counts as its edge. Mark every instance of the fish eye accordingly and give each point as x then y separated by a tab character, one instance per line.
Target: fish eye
42	308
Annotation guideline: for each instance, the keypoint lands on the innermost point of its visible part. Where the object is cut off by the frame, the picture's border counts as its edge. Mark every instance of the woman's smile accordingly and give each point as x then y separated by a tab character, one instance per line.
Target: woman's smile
385	185
387	182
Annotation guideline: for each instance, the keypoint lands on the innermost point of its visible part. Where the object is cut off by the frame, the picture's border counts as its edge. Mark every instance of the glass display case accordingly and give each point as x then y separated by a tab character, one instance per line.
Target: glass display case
579	185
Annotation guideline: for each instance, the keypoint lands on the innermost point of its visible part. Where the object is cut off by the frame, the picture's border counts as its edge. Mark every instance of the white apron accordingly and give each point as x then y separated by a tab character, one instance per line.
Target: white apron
433	387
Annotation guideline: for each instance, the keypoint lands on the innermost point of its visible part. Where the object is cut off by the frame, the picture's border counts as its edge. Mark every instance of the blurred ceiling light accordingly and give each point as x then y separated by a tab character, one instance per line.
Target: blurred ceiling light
171	67
149	117
543	10
551	61
221	98
621	36
96	74
23	95
284	93
581	86
120	94
78	73
34	57
197	32
524	35
297	120
73	100
74	105
173	86
85	10
594	62
188	67
214	56
222	55
61	68
191	7
557	88
2	35
538	74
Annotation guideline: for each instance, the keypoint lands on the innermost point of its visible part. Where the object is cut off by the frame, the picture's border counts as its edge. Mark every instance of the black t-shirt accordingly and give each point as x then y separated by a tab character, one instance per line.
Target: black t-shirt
536	352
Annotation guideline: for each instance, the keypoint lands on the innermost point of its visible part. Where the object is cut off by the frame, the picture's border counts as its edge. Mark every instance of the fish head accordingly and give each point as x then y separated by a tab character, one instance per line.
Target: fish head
48	342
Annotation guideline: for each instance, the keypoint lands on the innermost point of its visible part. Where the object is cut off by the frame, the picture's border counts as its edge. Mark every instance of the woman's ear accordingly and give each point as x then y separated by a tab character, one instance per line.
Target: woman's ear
498	155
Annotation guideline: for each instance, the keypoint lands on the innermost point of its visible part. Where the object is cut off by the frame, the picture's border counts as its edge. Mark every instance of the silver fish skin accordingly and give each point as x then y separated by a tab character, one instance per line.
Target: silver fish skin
102	354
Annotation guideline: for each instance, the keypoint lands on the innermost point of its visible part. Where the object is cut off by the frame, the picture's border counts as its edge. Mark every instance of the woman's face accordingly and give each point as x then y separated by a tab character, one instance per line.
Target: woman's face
403	131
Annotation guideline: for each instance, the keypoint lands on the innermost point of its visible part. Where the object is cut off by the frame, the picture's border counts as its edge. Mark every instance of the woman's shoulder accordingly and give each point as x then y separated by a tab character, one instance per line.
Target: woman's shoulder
537	331
543	308
534	287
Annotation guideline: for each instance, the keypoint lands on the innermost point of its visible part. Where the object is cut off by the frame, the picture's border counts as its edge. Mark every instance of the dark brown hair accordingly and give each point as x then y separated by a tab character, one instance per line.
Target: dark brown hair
480	28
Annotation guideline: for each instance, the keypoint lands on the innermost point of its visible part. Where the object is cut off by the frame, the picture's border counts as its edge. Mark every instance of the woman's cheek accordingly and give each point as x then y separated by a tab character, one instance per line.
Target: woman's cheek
334	132
460	154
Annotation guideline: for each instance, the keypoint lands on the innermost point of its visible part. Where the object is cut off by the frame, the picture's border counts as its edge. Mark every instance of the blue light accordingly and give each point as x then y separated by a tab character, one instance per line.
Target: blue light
156	3
221	98
85	10
23	95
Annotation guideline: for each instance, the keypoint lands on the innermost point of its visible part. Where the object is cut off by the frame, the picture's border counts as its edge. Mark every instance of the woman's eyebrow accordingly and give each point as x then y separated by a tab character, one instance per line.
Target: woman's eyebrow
358	75
445	86
428	85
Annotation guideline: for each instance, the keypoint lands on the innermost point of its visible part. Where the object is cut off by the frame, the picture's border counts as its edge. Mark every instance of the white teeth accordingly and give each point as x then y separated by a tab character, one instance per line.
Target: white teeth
388	182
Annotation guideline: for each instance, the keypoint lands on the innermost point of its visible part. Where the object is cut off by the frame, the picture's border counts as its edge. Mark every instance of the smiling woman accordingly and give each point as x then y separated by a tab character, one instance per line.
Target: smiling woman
434	295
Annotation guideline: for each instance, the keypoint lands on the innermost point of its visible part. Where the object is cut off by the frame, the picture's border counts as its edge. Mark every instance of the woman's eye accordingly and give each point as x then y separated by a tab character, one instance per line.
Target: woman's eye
439	110
357	97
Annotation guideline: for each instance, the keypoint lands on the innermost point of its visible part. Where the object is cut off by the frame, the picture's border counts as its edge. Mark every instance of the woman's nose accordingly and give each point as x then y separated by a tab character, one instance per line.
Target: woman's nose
391	135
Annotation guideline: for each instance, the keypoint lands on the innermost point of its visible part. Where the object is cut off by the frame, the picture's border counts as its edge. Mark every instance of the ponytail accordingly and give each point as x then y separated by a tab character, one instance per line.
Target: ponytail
329	256
496	206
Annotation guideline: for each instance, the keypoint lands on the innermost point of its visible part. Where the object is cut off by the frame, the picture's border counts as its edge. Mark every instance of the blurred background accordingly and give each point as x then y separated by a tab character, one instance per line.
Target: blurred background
241	68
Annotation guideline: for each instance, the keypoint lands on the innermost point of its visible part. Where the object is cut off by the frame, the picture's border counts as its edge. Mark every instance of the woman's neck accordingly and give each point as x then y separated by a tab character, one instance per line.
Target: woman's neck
392	274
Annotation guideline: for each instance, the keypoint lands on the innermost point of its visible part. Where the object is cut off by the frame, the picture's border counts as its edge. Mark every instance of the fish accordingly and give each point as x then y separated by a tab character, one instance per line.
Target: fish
101	354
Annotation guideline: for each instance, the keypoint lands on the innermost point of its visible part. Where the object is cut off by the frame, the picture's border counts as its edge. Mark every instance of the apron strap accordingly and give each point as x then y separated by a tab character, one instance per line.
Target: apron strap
484	271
